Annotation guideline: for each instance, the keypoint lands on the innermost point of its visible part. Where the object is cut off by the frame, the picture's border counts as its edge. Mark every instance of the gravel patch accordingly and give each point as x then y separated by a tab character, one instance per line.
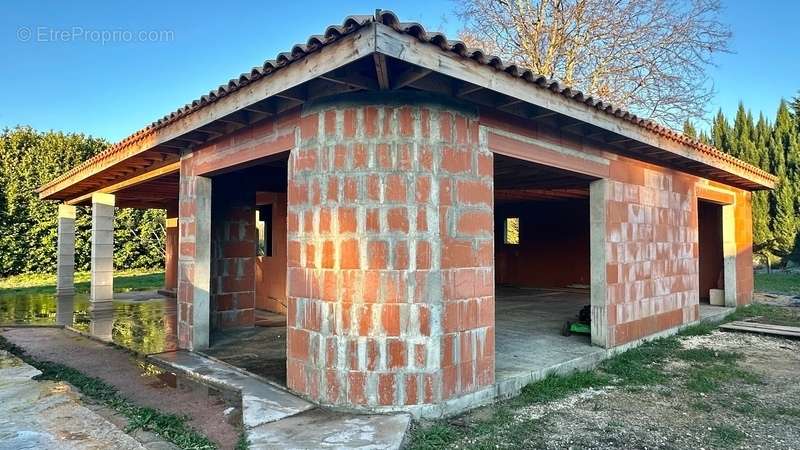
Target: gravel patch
761	414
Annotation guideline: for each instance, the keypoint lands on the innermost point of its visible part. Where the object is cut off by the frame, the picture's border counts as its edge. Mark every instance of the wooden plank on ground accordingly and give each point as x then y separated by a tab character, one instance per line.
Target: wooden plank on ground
751	327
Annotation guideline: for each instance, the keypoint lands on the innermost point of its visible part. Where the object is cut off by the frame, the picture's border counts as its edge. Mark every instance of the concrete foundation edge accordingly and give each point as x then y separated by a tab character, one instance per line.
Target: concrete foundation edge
510	387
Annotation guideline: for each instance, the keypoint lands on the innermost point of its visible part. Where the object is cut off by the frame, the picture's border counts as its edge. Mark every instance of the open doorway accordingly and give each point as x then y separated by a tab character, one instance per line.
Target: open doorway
249	265
542	265
711	266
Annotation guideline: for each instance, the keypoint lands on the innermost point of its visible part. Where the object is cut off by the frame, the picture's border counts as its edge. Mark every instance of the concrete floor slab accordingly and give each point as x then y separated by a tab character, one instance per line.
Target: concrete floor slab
528	326
262	402
714	313
325	429
259	350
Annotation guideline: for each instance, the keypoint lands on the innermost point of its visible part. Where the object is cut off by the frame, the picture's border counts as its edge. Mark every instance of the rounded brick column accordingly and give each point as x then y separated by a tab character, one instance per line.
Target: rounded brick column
390	254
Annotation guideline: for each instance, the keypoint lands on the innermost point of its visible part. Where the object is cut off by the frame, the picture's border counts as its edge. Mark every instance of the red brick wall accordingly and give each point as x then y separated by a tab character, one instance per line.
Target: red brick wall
233	253
390	257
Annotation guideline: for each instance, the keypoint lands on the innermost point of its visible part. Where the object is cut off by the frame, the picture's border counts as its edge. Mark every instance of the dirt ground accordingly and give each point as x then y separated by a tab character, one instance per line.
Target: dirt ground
134	379
756	405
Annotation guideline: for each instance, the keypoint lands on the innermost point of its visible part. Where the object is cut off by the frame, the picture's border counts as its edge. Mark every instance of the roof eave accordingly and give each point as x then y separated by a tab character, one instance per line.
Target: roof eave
343	51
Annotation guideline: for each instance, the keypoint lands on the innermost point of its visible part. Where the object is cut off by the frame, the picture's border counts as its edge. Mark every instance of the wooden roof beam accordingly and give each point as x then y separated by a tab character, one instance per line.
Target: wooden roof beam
409	76
163	170
381	71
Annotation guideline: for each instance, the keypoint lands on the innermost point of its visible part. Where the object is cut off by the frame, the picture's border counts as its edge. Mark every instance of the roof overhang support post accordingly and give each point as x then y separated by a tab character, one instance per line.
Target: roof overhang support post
602	334
101	309
194	259
65	266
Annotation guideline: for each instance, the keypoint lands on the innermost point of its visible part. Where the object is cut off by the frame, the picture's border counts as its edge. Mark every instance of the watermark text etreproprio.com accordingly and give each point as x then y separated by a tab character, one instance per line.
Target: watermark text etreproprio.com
95	36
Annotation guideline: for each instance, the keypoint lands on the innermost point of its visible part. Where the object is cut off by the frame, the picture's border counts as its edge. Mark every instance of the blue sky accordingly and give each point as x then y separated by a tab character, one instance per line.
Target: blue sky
113	89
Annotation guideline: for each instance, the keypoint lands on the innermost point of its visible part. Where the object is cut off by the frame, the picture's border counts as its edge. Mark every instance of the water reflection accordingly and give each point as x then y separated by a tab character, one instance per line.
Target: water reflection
144	322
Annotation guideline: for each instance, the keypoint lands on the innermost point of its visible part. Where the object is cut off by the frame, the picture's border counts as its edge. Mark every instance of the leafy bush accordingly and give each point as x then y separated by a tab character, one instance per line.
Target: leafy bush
29	159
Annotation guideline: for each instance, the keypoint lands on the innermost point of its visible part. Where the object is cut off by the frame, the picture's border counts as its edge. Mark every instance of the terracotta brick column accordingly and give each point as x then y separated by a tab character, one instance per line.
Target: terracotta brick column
390	255
194	257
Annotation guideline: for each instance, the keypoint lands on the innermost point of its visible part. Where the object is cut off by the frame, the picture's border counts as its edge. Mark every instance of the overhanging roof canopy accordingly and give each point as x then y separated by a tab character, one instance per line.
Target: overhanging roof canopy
380	53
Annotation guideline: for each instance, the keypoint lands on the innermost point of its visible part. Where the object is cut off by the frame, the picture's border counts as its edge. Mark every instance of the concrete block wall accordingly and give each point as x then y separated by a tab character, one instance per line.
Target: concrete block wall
233	254
390	255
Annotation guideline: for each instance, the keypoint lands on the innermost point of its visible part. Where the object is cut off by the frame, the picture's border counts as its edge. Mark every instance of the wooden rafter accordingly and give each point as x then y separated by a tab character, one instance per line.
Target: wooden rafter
381	71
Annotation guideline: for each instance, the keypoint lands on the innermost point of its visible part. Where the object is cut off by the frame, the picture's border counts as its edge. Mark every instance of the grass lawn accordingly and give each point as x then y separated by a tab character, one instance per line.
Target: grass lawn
124	281
786	283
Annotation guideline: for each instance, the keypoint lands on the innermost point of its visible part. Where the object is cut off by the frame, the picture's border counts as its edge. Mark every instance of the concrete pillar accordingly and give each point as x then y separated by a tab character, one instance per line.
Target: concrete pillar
194	258
390	255
601	332
171	250
65	268
102	262
729	254
65	310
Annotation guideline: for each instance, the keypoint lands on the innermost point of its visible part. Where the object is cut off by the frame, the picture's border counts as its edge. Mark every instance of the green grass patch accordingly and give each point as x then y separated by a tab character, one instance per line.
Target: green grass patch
775	315
172	428
124	281
701	406
726	435
435	436
555	387
785	283
698	329
707	355
780	411
708	378
640	366
242	443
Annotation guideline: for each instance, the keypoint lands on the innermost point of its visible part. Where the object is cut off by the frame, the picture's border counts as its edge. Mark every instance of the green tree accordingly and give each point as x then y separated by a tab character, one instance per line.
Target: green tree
28	159
689	129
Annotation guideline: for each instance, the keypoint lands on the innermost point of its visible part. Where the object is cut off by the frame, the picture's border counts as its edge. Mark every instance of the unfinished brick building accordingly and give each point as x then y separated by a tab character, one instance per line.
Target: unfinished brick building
425	216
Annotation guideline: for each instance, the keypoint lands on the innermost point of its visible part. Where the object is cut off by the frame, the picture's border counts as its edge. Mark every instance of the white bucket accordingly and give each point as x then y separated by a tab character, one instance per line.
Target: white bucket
716	297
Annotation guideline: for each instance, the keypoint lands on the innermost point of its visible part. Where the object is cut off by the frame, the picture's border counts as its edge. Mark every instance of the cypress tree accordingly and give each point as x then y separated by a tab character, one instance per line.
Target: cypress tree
689	129
785	159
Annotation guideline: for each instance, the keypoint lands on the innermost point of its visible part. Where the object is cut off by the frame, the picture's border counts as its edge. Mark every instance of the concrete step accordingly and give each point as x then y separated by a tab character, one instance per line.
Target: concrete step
326	429
262	402
277	419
